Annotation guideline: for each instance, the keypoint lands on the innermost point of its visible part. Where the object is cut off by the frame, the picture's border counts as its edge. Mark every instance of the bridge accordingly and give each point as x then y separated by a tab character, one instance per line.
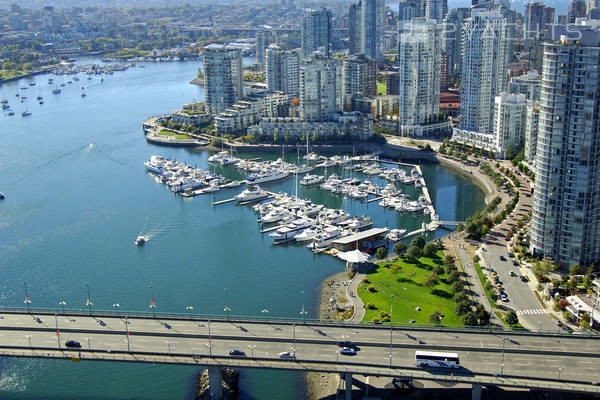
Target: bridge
548	361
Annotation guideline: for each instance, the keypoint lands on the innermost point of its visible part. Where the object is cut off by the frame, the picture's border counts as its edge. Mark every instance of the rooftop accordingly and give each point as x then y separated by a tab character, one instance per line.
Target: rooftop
361	235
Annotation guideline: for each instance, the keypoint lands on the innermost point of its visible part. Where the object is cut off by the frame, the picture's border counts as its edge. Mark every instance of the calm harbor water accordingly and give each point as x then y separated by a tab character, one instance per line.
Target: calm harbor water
73	211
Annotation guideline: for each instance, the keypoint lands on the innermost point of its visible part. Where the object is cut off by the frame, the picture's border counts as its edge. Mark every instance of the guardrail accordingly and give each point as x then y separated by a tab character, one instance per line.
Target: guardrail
290	321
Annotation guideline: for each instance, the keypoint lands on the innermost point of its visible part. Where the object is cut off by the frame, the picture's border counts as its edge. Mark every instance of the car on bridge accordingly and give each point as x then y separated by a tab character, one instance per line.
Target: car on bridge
347	343
237	353
286	354
72	343
347	351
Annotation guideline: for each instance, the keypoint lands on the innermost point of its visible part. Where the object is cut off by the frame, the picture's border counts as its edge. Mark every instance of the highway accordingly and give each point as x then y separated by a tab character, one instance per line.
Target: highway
568	362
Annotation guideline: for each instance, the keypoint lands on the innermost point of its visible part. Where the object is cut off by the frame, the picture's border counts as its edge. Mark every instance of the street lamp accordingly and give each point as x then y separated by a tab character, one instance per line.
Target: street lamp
265	312
391	327
27	299
559	369
88	340
502	363
116	307
227	309
63	304
303	311
209	344
252	347
190	309
88	301
29	338
294	338
127	335
152	302
337	356
168	343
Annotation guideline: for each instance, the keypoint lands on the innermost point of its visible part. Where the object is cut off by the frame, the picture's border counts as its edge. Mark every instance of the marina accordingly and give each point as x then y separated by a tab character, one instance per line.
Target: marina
296	217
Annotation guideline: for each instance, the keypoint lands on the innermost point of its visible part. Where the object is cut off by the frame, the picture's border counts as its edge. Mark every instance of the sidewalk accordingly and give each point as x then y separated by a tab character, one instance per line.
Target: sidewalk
352	293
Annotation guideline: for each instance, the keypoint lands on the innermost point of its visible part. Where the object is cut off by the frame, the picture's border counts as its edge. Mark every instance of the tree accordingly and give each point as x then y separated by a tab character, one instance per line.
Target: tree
483	316
430	280
448	261
470	319
438	270
399	248
429	250
542	268
418	242
457	287
462	308
493	296
381	253
511	318
413	254
460	227
460	297
453	276
575	270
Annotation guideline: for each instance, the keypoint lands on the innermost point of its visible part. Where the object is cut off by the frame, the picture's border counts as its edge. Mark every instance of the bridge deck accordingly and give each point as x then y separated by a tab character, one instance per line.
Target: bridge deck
530	360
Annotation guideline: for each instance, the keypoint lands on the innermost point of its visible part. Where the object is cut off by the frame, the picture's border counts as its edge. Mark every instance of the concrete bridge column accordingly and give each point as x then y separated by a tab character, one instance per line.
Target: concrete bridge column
215	382
348	379
476	391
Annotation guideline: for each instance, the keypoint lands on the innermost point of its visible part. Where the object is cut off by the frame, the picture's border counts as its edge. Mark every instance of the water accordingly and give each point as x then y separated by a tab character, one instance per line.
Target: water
73	211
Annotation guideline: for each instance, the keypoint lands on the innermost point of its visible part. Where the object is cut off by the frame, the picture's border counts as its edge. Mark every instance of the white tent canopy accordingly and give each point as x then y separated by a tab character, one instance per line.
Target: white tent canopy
354	256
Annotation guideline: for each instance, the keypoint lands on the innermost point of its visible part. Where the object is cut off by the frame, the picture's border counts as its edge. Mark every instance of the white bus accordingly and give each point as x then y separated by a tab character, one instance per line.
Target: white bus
433	359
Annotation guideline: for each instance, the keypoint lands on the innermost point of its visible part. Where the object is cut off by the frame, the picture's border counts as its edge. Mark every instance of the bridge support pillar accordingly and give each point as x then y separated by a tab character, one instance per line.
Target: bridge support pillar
348	379
215	382
476	391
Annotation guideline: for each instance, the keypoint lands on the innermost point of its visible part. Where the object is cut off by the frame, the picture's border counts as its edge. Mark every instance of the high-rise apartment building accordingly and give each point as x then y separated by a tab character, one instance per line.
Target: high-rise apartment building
283	70
316	32
359	76
320	88
486	53
565	224
223	83
527	84
419	85
532	120
354	28
577	9
436	9
538	18
372	29
452	33
509	122
409	9
265	37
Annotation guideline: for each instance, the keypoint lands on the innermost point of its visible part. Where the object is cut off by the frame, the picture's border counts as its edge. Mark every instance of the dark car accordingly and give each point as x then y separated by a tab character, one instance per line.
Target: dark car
515	263
502	258
347	343
524	279
72	343
237	353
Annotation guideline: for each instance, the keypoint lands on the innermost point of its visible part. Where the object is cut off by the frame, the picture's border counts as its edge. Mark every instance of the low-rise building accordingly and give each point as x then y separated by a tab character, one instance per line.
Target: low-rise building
191	118
353	125
249	111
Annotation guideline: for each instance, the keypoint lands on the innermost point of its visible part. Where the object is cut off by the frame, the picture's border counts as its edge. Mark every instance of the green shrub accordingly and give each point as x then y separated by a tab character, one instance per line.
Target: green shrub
371	306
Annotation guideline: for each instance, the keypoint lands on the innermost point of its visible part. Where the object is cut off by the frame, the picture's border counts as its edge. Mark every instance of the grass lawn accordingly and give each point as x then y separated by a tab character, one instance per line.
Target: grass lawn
405	282
483	280
169	133
381	88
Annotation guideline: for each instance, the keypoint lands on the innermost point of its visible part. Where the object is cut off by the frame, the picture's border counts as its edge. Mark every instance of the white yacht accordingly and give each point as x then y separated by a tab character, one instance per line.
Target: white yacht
267	176
312	157
214	187
324	238
140	240
358	223
396	234
326	164
276	214
290	230
156	164
302	169
253	193
307	234
233	184
310	180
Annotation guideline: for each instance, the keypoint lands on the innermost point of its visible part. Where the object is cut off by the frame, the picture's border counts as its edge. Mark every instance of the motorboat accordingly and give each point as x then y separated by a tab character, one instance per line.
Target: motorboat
326	164
140	241
2	196
266	176
396	234
214	187
358	223
276	214
302	169
253	193
25	114
290	230
307	234
56	91
312	157
310	180
324	238
233	184
156	164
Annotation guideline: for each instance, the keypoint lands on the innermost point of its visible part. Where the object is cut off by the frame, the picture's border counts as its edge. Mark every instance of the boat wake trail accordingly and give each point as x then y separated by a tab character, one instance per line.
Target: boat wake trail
52	161
105	154
158	227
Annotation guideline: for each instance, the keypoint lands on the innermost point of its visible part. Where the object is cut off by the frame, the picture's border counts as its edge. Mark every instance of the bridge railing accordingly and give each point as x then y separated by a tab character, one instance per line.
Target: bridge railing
288	321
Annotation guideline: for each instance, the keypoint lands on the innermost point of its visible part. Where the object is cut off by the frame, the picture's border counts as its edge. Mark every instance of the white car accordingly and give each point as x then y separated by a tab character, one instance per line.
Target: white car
286	354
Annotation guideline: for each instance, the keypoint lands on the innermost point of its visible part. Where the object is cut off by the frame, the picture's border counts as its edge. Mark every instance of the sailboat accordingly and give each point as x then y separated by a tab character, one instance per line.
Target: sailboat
304	168
310	156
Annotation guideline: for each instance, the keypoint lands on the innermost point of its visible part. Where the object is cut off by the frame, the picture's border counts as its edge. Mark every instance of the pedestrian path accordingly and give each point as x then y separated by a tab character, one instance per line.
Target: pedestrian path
531	312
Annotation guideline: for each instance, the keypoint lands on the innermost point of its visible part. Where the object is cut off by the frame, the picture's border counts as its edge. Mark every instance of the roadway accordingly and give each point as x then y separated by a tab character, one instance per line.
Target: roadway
529	360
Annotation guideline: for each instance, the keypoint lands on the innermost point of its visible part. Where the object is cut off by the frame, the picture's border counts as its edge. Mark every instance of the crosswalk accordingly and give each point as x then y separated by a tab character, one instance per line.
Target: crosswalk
530	312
